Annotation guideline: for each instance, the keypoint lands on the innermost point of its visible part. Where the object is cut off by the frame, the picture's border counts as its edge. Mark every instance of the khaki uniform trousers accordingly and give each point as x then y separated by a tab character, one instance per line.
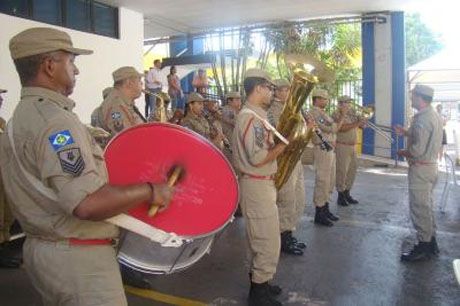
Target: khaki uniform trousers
347	165
324	176
258	203
291	200
74	275
6	217
422	180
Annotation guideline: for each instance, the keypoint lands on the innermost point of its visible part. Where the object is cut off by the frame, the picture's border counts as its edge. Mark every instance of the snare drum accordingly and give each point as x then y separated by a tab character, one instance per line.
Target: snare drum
204	201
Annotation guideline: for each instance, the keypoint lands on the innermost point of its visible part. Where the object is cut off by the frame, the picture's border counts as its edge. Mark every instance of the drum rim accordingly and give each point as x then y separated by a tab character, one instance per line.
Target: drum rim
179	127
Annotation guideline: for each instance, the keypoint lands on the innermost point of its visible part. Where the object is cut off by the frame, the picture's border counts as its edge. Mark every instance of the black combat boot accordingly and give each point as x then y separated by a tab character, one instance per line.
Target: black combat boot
272	289
330	215
349	198
341	198
321	217
434	246
288	246
299	244
259	295
421	251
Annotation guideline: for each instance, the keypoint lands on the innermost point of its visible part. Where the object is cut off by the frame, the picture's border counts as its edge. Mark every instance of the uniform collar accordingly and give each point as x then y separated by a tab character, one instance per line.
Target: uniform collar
259	110
57	98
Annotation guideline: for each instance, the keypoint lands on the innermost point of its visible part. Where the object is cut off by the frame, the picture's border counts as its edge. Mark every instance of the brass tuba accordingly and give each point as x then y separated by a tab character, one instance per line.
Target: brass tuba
292	124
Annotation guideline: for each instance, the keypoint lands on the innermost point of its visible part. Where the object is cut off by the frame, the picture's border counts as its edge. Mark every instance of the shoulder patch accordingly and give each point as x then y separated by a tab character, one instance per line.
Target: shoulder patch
71	161
259	135
116	115
60	139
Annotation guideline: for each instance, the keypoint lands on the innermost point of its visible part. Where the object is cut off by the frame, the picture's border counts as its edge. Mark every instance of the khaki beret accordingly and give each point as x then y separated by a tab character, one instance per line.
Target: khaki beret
42	40
195	97
125	72
282	83
344	99
3	90
321	93
233	95
258	73
423	90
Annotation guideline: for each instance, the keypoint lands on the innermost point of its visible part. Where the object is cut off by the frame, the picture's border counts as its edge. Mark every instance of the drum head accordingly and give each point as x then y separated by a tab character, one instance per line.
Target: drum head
205	197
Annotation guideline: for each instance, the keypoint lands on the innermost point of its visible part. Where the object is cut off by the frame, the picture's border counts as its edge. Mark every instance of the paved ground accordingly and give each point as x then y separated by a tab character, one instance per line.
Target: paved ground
356	262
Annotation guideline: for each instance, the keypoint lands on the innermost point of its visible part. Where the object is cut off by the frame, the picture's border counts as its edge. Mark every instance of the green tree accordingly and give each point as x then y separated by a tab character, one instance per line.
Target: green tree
421	42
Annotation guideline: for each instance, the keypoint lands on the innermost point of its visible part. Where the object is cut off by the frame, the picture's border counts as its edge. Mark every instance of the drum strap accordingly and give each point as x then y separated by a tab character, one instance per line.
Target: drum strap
122	220
267	125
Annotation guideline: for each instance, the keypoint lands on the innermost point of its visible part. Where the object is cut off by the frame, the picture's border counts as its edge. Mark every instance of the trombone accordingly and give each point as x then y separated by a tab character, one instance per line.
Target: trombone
367	112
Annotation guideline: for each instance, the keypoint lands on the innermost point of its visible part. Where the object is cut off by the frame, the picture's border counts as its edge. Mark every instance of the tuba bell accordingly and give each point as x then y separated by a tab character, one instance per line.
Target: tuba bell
292	124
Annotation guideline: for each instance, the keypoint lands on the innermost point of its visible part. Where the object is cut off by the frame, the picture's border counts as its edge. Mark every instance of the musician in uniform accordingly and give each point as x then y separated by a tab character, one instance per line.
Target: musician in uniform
255	156
347	160
118	110
56	180
291	197
162	111
7	260
195	120
229	112
214	116
324	160
424	140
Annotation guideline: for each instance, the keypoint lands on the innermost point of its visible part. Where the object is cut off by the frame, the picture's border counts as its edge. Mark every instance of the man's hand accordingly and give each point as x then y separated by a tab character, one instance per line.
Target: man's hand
401	131
403	153
162	195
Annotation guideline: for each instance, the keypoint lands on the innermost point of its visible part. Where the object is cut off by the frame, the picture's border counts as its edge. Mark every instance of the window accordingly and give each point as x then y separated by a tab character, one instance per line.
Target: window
83	15
77	15
104	19
48	11
18	8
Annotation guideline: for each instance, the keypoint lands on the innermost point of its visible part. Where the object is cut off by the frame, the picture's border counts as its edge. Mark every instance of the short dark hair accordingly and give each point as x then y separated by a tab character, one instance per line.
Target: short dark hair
171	69
27	67
156	61
251	83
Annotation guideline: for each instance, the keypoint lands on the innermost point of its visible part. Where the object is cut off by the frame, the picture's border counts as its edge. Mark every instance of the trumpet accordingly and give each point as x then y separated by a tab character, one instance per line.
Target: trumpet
366	113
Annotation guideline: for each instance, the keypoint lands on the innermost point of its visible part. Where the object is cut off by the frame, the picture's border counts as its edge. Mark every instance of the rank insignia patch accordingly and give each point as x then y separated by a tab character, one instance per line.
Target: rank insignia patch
71	161
116	115
61	139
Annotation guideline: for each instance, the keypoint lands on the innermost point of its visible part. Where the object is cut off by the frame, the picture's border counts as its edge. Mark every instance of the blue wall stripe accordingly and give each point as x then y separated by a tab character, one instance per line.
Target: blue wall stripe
398	75
368	46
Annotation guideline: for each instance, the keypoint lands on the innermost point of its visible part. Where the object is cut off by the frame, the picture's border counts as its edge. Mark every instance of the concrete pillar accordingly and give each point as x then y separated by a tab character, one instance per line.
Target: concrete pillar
384	80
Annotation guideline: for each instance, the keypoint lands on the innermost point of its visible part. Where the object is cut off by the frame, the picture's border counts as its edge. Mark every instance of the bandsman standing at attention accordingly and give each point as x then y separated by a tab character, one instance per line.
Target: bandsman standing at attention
424	140
347	160
55	176
255	156
291	197
118	110
324	160
6	217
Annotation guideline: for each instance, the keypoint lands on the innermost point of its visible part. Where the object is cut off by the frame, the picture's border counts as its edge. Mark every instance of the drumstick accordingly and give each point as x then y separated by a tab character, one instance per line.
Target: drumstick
172	180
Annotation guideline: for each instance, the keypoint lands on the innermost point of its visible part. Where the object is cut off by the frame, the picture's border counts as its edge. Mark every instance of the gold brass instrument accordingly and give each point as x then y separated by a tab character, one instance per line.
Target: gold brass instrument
160	113
366	113
292	124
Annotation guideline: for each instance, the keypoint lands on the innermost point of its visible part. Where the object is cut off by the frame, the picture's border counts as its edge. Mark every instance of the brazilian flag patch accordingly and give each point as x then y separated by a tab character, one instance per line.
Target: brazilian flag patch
61	139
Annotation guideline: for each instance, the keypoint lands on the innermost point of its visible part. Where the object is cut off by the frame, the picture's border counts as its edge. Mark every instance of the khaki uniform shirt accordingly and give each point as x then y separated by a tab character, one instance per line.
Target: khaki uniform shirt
274	112
326	124
215	123
228	121
57	149
118	113
349	137
425	136
251	142
198	124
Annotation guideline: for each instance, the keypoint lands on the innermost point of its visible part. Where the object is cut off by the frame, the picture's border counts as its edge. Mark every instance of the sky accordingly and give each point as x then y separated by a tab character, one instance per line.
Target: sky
442	18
